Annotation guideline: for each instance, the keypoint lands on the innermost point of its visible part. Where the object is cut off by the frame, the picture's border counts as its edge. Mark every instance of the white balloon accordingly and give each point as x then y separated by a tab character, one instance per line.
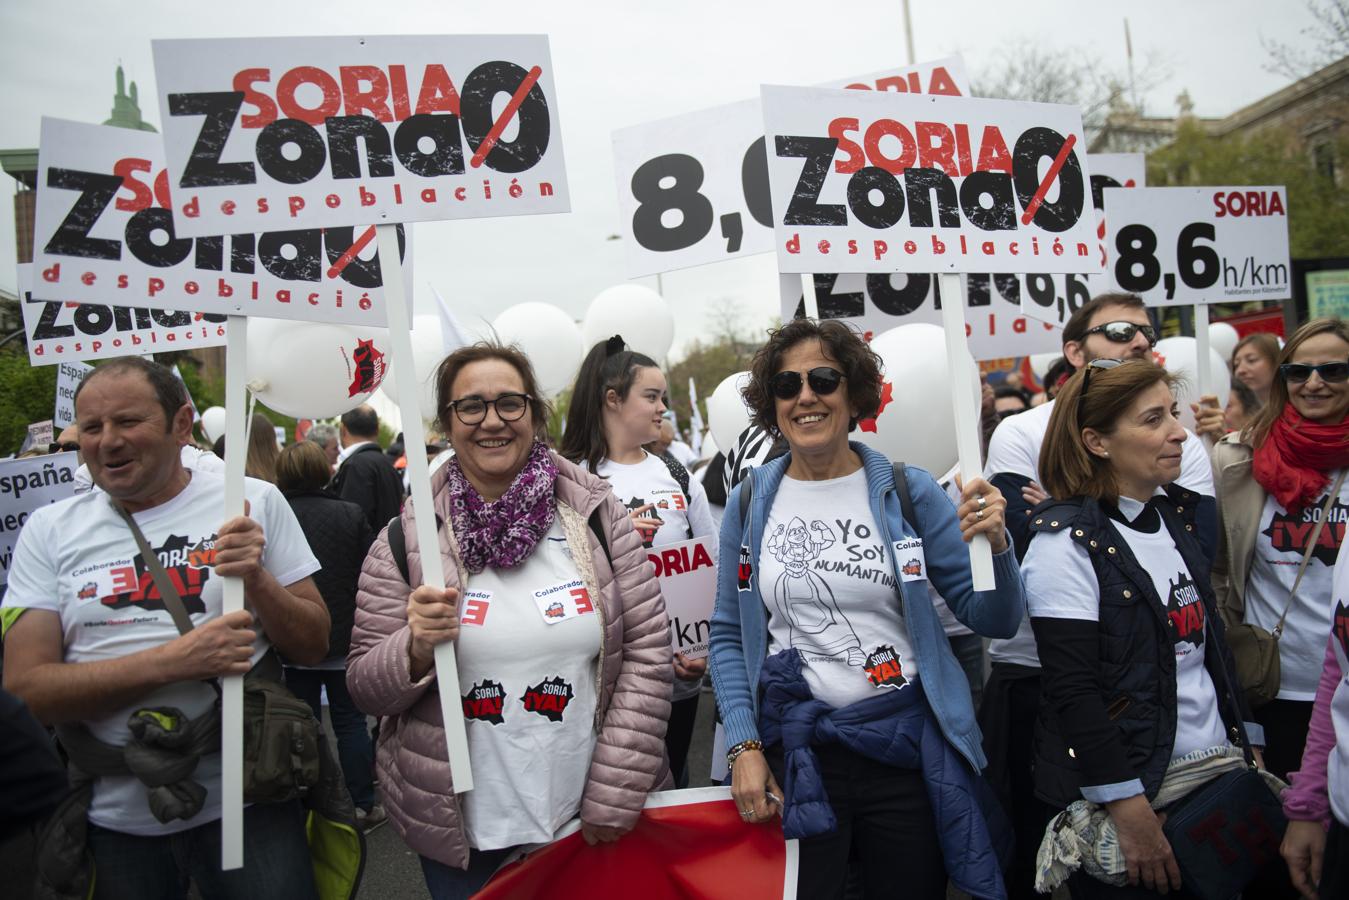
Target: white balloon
314	370
709	447
213	423
1178	355
918	422
550	339
727	414
1040	363
1223	338
635	311
428	350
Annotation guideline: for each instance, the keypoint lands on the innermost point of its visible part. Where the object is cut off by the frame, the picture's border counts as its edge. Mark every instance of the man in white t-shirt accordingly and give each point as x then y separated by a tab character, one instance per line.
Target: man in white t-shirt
1110	326
95	643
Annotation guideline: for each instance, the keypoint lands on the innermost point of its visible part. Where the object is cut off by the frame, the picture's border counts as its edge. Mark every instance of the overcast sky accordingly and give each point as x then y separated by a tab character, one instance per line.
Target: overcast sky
620	64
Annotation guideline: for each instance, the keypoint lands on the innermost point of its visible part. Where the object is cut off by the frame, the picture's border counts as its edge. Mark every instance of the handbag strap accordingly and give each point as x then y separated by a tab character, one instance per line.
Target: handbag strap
1277	631
172	601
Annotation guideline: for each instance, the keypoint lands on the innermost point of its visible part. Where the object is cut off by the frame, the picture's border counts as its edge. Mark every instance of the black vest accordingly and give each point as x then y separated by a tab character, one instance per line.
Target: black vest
1137	653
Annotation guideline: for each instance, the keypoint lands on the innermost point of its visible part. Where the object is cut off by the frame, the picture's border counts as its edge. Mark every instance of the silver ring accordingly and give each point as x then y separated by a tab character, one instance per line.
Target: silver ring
979	514
746	813
982	501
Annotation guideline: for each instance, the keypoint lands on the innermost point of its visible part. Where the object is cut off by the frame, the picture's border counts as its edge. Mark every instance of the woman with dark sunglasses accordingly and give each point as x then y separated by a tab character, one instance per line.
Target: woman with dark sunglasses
1273	480
844	708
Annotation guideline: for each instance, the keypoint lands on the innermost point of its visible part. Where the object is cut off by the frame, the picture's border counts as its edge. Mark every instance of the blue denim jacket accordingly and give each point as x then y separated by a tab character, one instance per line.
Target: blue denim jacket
739	630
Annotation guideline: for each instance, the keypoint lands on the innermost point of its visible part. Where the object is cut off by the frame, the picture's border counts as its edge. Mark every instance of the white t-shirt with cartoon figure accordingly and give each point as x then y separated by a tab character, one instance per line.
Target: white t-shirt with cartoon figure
79	559
1061	584
826	579
1280	542
528	652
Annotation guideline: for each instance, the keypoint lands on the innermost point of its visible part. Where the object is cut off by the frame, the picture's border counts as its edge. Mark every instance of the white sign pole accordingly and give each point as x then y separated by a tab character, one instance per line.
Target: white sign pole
963	392
1201	349
808	298
419	474
232	687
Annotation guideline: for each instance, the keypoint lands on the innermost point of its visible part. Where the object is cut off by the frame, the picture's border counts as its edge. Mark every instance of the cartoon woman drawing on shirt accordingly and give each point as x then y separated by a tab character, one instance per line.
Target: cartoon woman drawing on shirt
803	598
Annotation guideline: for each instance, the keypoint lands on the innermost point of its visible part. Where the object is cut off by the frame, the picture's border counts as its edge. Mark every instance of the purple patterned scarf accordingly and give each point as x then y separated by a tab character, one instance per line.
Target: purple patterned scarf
502	533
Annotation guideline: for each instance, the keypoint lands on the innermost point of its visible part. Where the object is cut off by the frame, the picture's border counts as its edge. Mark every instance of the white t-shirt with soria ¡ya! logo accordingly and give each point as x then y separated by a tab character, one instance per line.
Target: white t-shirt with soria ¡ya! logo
79	559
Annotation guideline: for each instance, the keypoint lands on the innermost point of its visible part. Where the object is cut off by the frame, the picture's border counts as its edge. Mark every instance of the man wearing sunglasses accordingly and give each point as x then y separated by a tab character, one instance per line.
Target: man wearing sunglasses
1110	326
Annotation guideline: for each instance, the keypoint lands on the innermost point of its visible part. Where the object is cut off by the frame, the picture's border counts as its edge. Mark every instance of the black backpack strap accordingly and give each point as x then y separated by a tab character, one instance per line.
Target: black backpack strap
598	528
681	477
905	501
398	547
746	493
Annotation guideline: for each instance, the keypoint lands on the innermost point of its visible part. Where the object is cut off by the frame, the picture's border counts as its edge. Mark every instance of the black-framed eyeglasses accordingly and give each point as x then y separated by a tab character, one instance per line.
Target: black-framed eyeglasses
1331	372
63	446
1086	379
823	380
1003	414
1123	332
472	410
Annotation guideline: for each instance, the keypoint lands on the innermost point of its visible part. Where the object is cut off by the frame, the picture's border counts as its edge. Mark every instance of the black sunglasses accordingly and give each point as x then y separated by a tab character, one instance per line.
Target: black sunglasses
63	446
1123	332
1331	372
1086	379
822	380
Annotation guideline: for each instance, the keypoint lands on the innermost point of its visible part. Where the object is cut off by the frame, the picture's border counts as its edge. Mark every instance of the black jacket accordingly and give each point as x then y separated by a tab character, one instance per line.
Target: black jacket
368	479
1108	702
340	537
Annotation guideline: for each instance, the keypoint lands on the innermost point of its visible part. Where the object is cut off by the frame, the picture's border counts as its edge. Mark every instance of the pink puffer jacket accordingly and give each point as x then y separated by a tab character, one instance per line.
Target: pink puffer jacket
634	698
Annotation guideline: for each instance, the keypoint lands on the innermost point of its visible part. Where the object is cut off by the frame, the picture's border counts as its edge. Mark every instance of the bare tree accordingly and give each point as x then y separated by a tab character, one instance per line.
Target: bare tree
1031	70
1328	39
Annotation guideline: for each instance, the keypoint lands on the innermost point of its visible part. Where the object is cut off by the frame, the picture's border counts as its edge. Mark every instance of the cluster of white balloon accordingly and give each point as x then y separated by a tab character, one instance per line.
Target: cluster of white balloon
318	370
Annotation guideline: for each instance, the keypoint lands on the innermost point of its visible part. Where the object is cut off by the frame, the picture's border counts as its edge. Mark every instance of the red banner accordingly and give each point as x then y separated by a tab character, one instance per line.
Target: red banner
687	844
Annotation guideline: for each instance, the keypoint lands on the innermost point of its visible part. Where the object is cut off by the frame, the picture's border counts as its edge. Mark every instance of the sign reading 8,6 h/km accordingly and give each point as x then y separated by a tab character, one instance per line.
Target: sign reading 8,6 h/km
693	189
866	182
265	134
1188	245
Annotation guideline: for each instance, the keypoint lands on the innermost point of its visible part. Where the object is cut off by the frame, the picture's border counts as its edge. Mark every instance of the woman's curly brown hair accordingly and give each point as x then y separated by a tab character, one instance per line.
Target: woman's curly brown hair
843	346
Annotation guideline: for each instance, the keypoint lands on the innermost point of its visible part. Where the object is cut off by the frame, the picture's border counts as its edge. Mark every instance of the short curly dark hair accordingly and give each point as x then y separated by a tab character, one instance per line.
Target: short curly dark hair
861	367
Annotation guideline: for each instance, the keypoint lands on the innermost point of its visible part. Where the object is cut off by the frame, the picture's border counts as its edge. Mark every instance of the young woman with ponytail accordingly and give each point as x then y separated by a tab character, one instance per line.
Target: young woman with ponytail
617	405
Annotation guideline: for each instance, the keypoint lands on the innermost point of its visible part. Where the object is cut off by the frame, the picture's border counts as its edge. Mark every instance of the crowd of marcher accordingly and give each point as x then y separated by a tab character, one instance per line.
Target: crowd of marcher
1157	678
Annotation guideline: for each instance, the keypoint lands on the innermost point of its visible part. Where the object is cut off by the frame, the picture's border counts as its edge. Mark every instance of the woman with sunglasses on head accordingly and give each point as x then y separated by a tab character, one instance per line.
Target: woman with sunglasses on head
617	406
831	669
1277	479
560	635
1136	674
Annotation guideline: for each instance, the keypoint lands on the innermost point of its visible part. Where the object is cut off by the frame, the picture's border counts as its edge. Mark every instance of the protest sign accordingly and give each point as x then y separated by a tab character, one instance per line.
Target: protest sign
39	435
266	134
874	303
196	415
870	182
1180	245
690	843
68	378
105	234
1054	298
688	582
711	168
70	331
26	485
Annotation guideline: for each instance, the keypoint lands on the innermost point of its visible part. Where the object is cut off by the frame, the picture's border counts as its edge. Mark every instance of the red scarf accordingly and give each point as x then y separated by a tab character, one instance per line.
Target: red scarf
1296	459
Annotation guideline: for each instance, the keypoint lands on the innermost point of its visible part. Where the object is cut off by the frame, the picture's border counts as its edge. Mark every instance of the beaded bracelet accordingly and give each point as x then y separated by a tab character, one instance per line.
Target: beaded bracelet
734	753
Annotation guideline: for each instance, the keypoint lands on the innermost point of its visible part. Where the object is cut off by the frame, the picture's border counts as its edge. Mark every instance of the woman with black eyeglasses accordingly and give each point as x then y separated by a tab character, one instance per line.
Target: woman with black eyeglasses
560	635
1275	479
844	708
617	407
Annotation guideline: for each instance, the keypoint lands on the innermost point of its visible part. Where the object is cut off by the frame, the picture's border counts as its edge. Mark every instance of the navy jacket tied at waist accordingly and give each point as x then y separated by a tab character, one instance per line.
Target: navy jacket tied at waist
895	728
